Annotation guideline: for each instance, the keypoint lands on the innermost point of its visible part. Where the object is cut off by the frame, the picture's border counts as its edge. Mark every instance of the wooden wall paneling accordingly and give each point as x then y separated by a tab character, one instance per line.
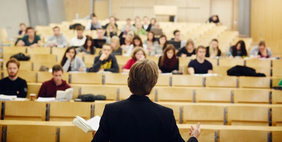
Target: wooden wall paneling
223	8
82	7
101	9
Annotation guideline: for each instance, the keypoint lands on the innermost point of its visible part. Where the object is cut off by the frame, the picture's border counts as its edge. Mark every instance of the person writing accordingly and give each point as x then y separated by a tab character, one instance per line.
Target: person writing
188	50
105	61
138	118
261	51
213	50
200	65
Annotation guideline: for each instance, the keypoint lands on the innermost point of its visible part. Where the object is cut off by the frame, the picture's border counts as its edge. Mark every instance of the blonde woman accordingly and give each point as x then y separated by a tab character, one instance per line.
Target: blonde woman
111	30
213	50
115	44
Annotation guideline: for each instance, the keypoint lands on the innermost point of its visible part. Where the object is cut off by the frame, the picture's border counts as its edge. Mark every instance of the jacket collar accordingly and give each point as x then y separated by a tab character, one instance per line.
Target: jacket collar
139	98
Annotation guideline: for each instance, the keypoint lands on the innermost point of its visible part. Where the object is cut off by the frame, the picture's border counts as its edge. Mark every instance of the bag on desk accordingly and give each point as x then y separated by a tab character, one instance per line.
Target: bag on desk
91	97
20	57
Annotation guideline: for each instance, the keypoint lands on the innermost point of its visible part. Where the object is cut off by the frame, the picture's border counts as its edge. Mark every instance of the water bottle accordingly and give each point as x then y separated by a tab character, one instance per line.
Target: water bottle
11	42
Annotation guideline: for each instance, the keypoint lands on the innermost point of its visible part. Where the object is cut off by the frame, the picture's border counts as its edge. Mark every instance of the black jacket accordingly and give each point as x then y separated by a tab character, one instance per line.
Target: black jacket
138	119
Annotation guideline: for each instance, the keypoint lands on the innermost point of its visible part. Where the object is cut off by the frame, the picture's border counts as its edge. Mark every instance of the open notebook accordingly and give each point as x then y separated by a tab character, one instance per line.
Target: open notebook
90	125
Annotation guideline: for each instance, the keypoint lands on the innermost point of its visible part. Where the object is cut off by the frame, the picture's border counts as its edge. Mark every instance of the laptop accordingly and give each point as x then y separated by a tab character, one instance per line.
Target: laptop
98	43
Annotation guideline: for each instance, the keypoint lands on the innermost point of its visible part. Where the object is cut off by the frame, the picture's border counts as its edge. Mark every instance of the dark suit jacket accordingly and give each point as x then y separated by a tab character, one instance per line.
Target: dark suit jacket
138	119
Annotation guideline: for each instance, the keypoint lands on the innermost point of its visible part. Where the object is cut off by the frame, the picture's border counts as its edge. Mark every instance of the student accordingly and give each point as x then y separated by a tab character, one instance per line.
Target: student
176	41
187	51
136	20
124	33
105	61
137	42
112	22
100	35
79	39
168	62
22	30
162	43
200	65
71	62
151	43
94	24
56	40
138	54
146	23
87	48
111	31
214	19
116	46
49	88
152	24
238	50
213	50
128	22
261	51
30	39
13	85
127	41
139	29
138	119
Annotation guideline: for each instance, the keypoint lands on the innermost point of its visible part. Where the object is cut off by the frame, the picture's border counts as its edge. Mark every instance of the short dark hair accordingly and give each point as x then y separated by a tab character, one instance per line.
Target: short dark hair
29	28
175	31
200	47
143	76
13	60
79	28
262	43
56	27
56	68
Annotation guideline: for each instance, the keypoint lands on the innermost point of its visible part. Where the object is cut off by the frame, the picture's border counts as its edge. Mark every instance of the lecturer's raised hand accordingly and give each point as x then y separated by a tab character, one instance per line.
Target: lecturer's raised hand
195	132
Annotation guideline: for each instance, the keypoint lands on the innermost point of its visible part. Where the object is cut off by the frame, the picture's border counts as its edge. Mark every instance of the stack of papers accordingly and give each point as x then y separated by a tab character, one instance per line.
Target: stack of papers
90	125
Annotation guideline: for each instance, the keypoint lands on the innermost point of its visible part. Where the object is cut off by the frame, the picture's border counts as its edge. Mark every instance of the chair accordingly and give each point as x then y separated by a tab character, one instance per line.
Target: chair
109	91
184	61
122	59
59	52
213	95
89	59
43	58
205	113
221	81
177	110
230	62
163	80
243	136
258	63
254	82
277	115
276	136
187	81
213	61
116	79
31	133
33	88
249	115
222	70
276	96
66	111
37	65
125	93
14	50
25	110
174	94
153	58
277	63
251	96
264	70
39	50
276	71
24	65
29	76
86	78
45	76
73	134
99	107
275	81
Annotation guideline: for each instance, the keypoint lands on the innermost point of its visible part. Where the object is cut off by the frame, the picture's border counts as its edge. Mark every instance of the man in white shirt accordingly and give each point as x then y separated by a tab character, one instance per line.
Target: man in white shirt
79	40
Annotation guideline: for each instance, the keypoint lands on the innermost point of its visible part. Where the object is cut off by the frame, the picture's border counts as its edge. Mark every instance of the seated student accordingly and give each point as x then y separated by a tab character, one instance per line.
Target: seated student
162	43
71	62
168	62
22	30
137	42
138	54
151	43
87	48
110	31
79	39
128	22
176	41
213	50
152	24
261	51
13	85
146	23
127	41
116	46
30	39
57	40
105	61
112	21
139	29
94	24
49	88
214	19
136	20
125	31
187	51
238	50
200	65
100	35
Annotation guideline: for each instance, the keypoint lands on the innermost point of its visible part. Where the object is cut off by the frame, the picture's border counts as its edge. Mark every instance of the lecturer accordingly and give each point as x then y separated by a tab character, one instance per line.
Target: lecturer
138	119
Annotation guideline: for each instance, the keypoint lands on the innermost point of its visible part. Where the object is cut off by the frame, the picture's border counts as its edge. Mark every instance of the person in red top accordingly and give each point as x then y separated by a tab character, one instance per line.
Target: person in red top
49	88
138	54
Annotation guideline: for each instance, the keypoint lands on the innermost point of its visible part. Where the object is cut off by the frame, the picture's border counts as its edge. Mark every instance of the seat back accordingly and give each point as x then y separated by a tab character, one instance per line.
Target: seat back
221	81
187	81
109	91
213	95
251	96
174	94
254	82
86	78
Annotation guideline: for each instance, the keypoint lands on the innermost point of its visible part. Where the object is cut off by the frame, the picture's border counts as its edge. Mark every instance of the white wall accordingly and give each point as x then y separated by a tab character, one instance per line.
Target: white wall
12	13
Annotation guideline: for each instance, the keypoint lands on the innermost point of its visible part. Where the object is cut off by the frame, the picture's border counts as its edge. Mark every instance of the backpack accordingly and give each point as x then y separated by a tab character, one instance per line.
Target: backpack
91	97
20	57
243	71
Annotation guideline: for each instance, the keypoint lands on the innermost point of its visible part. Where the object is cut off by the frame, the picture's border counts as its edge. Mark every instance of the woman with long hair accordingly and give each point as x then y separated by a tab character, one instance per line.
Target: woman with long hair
116	46
71	62
137	54
213	50
168	62
111	30
238	50
137	42
150	42
88	47
187	51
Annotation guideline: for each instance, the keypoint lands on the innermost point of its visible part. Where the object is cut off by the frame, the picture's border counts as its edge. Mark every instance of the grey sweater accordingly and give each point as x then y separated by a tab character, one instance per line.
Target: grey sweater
61	41
75	64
